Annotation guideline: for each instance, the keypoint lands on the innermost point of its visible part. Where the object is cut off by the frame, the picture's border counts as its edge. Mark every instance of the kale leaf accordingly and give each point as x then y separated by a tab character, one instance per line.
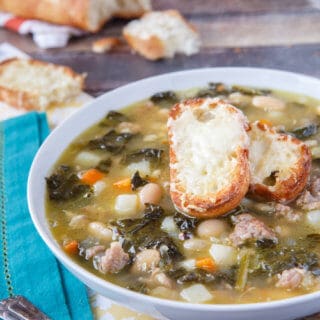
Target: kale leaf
64	185
112	141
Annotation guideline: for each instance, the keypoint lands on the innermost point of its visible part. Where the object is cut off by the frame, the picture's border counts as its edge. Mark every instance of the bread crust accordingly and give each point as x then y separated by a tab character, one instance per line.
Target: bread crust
288	189
210	205
153	47
26	100
67	12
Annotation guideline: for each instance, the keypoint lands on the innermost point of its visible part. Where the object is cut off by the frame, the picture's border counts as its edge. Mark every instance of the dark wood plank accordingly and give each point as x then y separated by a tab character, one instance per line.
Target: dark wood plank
118	69
232	7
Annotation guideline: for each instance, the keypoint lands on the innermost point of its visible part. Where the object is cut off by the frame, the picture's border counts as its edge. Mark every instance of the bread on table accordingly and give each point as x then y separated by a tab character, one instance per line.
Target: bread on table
209	167
105	44
280	164
162	34
88	15
35	85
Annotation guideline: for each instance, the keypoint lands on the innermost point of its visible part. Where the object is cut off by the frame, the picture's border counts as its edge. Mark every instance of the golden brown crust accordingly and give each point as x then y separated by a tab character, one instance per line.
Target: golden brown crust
227	198
151	48
106	44
285	190
65	12
26	100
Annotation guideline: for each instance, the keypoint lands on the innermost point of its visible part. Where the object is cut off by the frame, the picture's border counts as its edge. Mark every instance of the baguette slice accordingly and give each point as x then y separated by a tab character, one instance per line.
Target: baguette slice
162	34
34	85
279	163
209	166
88	15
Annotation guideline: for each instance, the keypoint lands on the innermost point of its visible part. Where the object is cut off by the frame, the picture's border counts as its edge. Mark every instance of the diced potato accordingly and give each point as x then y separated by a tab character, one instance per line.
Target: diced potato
87	159
169	226
196	293
127	205
100	231
98	187
224	256
143	167
313	218
189	264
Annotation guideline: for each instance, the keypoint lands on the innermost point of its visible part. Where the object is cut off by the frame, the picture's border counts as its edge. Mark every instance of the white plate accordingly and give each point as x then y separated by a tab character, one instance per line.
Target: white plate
60	138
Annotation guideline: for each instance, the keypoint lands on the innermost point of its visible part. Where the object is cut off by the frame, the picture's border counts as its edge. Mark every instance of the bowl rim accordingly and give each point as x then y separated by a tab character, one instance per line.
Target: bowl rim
73	267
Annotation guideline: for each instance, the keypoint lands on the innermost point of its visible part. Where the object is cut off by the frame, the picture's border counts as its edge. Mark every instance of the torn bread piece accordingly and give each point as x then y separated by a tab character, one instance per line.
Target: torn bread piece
162	34
34	85
106	44
279	163
209	166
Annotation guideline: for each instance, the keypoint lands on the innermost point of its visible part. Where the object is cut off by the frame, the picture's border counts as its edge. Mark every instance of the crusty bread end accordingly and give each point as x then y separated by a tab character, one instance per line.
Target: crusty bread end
279	163
209	167
162	34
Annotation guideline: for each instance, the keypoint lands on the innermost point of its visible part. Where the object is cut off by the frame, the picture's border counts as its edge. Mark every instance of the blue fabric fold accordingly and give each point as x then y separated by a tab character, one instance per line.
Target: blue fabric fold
27	267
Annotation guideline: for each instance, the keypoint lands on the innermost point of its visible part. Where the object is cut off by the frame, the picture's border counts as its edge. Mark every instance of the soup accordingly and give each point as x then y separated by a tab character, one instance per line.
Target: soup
109	207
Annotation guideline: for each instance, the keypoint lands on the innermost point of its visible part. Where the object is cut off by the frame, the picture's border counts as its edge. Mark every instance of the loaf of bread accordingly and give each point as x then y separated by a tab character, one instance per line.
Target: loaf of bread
88	15
279	163
209	166
162	34
35	85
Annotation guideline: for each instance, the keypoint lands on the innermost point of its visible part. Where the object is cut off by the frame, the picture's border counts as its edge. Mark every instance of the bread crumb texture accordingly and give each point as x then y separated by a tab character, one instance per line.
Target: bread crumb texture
33	84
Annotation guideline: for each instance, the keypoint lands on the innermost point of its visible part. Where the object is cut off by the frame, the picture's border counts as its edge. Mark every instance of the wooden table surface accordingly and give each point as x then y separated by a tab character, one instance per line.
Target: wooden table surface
280	34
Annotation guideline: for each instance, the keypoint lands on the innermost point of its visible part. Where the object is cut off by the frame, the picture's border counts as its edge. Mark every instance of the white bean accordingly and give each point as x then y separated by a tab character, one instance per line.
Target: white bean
79	221
195	244
150	193
268	103
212	228
146	260
100	230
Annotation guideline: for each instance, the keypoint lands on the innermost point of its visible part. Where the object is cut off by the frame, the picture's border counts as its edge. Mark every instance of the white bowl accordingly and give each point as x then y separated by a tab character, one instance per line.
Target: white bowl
61	137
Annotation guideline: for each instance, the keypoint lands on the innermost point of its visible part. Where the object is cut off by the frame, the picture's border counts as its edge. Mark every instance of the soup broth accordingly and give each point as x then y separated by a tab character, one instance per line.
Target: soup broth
109	207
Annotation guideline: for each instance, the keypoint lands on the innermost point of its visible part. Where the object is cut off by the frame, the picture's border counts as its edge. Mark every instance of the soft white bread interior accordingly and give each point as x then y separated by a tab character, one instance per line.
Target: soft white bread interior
279	164
162	34
33	84
209	167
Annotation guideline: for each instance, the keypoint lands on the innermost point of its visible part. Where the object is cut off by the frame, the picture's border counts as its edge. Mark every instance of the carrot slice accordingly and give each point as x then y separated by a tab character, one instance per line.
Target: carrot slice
92	176
206	264
123	185
71	247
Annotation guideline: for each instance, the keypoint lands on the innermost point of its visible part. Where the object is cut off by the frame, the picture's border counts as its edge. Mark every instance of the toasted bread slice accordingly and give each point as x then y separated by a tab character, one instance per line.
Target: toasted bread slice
34	85
279	163
162	34
209	166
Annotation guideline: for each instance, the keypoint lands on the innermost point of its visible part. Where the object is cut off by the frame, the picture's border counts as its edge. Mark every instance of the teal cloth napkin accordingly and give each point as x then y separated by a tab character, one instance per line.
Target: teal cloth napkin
27	267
